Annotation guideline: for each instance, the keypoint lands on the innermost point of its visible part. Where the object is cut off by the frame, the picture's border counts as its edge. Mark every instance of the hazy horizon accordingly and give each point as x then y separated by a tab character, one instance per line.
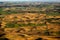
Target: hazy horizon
31	0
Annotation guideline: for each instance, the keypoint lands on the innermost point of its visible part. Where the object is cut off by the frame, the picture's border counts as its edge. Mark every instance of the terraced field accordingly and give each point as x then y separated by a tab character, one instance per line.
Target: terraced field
29	26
